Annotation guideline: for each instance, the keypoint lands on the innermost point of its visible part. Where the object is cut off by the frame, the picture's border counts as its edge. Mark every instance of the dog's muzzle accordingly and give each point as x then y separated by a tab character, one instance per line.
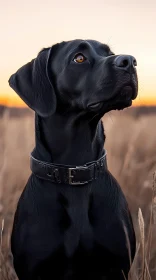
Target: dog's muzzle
65	174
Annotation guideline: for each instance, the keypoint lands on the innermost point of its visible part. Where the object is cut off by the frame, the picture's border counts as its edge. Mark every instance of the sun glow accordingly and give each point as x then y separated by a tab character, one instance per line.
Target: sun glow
11	101
15	101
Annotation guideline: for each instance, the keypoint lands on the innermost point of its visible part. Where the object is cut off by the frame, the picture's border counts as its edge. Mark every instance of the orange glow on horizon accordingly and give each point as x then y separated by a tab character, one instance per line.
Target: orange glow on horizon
145	101
16	101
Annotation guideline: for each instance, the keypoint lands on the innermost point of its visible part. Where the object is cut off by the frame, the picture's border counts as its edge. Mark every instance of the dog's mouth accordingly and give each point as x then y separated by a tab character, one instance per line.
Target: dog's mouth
122	99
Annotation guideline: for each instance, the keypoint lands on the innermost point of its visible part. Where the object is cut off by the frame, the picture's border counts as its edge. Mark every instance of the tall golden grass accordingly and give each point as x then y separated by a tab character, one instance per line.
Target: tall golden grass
131	150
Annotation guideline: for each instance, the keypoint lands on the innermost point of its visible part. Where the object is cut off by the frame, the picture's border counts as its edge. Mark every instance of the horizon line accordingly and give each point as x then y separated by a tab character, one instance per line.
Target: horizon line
16	101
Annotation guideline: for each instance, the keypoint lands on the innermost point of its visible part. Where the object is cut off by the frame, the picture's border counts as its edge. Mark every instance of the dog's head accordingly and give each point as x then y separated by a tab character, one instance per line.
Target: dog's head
82	74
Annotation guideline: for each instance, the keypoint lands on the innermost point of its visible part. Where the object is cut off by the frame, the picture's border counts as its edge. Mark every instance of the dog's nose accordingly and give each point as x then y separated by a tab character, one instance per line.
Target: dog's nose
125	61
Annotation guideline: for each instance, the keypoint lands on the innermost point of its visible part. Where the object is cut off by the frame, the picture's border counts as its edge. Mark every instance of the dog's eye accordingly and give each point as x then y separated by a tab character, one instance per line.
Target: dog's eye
79	58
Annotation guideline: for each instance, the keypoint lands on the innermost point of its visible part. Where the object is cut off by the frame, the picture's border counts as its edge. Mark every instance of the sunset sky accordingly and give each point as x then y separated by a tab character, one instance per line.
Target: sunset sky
128	26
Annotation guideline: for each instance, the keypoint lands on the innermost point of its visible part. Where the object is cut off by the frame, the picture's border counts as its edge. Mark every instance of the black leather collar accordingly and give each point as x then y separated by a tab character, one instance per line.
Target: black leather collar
72	175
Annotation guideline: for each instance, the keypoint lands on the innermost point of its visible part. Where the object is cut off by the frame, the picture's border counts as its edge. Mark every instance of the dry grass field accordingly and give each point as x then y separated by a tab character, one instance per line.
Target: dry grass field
131	150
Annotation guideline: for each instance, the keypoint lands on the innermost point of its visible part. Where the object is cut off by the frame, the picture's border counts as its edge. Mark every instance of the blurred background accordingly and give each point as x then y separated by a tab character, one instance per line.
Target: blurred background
128	27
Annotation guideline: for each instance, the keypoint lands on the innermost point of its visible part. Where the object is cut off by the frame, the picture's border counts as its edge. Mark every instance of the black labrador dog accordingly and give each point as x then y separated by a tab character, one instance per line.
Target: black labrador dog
72	220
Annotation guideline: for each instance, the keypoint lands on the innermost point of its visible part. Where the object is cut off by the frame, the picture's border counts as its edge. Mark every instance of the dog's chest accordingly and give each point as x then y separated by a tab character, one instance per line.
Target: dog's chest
75	218
86	217
77	229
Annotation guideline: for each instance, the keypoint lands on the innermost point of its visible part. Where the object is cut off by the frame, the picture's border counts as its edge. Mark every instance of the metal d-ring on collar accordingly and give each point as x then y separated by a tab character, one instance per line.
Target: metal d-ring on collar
66	174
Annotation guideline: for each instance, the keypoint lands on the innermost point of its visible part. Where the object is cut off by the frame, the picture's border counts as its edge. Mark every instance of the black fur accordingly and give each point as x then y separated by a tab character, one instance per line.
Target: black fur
60	231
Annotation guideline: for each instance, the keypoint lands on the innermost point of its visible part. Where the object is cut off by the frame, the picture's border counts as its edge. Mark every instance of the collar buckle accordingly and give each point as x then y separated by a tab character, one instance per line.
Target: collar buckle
71	175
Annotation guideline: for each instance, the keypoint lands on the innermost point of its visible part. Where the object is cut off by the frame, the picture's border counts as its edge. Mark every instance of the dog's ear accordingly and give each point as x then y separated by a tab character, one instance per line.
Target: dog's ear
33	84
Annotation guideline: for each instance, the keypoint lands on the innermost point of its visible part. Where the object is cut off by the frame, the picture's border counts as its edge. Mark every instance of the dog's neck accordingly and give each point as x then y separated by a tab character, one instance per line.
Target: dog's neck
71	139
